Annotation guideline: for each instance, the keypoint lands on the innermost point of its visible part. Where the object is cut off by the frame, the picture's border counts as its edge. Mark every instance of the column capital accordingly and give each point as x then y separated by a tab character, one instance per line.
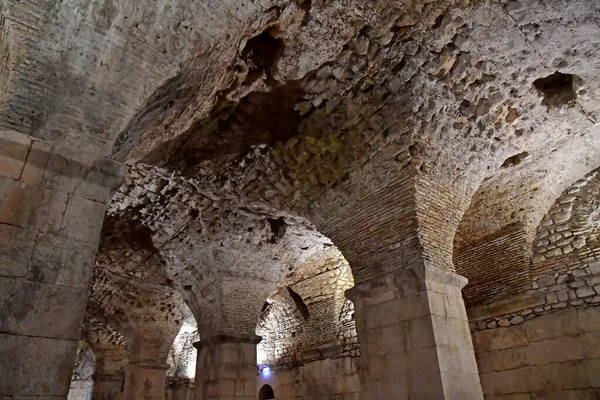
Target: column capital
227	338
399	283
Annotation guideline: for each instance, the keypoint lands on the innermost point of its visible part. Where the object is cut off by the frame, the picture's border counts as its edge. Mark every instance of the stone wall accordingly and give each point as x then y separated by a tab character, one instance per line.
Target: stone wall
324	379
569	231
51	210
554	356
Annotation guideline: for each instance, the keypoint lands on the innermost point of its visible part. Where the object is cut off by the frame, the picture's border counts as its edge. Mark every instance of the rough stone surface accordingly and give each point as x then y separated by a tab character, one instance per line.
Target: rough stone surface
280	152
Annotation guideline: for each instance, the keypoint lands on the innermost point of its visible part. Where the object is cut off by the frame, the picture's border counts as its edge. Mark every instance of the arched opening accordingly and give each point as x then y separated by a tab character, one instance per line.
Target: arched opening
266	392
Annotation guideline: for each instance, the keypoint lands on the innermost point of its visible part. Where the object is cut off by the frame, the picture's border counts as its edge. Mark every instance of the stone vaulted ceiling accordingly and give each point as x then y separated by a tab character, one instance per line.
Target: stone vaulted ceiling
249	125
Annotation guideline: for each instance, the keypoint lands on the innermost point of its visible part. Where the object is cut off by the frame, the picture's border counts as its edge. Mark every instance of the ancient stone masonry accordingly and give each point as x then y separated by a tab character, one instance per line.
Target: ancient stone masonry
564	264
51	210
311	184
111	356
318	324
552	356
569	232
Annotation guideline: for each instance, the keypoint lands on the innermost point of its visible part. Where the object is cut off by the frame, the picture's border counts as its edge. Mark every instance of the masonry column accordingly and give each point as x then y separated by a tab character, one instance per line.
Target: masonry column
226	367
108	387
227	311
150	339
110	352
52	205
145	381
410	316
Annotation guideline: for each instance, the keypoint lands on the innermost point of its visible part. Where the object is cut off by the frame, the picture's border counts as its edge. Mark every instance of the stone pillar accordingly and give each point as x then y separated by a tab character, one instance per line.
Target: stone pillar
226	368
182	390
410	316
52	205
145	381
108	387
415	338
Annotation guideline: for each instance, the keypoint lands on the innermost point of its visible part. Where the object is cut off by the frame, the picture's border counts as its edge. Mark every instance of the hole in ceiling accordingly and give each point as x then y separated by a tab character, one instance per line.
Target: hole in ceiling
558	89
261	52
278	227
515	160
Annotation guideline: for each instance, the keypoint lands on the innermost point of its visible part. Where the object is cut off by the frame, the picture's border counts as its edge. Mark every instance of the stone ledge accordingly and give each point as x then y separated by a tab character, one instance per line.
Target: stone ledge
506	306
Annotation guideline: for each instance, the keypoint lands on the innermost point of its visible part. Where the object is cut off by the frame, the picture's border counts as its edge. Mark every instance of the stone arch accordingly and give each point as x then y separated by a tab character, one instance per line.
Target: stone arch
566	251
290	339
494	240
266	393
182	355
111	355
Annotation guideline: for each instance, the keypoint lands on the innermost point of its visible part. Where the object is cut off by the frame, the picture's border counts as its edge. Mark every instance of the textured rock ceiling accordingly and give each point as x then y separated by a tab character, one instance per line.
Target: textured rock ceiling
256	121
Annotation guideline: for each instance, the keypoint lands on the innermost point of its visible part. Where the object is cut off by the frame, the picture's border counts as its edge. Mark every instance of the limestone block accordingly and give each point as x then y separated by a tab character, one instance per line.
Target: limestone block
379	340
83	220
38	157
594	267
420	333
102	178
590	342
426	386
564	349
498	339
562	323
47	258
65	170
571	376
480	312
422	361
14	147
15	250
77	264
593	370
485	362
585	291
20	201
33	355
33	308
6	288
589	319
467	361
448	360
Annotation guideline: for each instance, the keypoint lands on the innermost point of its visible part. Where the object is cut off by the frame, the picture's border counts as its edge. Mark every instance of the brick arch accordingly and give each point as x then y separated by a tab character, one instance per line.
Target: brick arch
290	337
493	243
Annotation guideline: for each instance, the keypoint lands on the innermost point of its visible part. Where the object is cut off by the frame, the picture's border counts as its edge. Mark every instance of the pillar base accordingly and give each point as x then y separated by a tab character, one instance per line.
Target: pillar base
415	338
226	367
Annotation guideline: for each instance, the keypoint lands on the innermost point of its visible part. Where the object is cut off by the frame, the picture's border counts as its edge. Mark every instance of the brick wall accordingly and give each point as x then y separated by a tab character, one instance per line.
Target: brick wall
496	265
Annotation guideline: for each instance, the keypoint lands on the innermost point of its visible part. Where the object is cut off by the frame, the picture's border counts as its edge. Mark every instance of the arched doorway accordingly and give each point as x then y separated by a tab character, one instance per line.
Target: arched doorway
266	393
